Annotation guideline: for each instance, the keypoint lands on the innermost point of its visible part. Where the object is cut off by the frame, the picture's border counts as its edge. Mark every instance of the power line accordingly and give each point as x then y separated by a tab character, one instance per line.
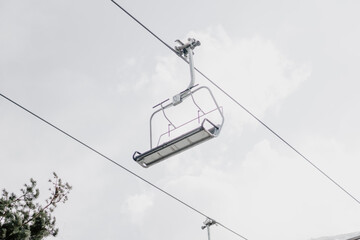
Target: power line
244	108
153	185
117	164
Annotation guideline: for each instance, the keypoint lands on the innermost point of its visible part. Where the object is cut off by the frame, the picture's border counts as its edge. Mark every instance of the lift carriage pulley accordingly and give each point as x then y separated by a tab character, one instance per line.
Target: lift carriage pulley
206	129
207	224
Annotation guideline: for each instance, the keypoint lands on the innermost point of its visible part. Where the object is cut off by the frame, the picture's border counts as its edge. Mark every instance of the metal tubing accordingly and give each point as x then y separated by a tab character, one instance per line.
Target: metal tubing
162	108
170	105
208	230
216	104
217	127
152	115
192	97
192	71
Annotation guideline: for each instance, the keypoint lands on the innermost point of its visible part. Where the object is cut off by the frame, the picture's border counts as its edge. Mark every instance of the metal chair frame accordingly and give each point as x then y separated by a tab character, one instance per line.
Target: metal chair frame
191	138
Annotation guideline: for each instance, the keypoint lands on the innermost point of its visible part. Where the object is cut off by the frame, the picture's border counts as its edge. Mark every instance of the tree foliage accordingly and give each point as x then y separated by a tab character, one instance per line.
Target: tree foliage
21	218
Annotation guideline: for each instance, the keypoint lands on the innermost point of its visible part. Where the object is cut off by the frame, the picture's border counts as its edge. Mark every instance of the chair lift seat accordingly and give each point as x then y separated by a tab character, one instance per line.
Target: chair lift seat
176	145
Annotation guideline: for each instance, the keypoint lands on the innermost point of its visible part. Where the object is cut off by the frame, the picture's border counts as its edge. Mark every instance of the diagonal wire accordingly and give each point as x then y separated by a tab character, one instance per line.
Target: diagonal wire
282	139
116	163
244	108
154	35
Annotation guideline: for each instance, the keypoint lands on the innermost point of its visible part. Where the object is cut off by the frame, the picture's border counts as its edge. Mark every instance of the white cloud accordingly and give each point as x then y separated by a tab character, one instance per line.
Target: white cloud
136	206
271	188
261	190
252	70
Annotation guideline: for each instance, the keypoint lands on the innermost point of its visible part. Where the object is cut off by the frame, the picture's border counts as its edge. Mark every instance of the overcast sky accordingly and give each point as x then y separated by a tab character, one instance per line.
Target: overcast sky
89	69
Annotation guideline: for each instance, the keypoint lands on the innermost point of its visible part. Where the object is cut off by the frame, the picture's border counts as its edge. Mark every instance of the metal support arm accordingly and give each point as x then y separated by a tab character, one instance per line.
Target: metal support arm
208	222
186	50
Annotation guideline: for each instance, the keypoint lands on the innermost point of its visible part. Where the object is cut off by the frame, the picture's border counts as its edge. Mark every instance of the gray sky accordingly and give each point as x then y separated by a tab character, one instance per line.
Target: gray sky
89	69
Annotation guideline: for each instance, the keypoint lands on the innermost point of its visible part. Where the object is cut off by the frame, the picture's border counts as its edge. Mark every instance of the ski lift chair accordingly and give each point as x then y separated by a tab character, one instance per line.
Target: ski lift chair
206	131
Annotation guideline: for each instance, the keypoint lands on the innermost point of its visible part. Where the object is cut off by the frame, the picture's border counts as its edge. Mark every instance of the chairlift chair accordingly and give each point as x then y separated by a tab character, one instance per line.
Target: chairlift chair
206	131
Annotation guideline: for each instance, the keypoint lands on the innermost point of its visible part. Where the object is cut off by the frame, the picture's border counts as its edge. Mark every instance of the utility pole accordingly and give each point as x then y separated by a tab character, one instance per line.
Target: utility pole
208	222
